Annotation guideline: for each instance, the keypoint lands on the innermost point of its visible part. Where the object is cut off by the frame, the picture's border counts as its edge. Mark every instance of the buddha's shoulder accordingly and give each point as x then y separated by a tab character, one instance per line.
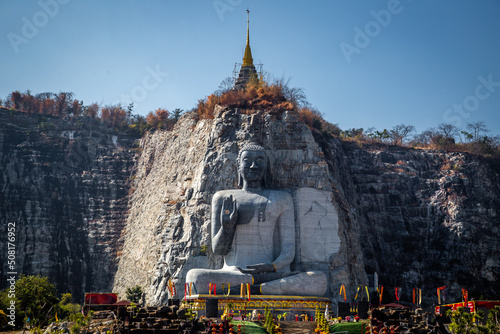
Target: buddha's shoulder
227	193
281	195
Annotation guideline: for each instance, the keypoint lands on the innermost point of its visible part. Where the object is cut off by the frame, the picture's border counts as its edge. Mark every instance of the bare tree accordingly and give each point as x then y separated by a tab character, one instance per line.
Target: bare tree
400	132
478	129
425	137
63	100
225	86
446	130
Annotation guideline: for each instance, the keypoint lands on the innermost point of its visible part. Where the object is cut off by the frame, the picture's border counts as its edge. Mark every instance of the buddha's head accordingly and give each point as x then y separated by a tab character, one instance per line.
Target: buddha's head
252	164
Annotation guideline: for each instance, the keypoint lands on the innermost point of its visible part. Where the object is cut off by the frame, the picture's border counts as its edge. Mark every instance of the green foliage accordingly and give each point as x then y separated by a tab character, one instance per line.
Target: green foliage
35	299
3	319
203	249
67	310
322	323
46	126
269	324
134	294
493	322
468	323
75	329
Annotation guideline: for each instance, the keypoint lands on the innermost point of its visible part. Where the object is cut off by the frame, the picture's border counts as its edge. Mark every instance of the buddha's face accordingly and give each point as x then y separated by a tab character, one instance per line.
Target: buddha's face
252	165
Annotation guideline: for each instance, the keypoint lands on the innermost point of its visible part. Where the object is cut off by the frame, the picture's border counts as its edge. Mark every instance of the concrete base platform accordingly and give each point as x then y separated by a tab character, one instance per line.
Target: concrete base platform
294	304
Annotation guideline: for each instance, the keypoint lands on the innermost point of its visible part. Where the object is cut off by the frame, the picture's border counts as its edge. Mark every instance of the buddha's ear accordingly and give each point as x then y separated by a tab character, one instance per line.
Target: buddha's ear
240	179
267	174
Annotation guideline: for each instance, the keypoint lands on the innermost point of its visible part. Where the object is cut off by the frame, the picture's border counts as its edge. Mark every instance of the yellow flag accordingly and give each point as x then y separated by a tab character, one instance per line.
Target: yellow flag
56	317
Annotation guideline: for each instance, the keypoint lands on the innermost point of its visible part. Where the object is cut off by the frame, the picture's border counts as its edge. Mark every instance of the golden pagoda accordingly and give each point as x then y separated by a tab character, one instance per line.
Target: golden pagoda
247	69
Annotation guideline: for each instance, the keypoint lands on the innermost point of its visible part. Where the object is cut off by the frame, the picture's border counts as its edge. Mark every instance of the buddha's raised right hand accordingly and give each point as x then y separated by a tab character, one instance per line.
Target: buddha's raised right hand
229	213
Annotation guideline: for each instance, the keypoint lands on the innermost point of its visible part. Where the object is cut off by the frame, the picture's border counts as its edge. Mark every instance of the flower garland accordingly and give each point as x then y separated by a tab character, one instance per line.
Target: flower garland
417	296
342	289
228	289
465	295
171	288
380	291
397	292
243	293
212	287
441	288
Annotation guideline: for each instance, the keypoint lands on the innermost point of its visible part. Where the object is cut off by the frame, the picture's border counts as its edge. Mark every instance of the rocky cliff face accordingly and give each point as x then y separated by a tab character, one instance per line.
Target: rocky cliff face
82	204
428	219
178	173
64	185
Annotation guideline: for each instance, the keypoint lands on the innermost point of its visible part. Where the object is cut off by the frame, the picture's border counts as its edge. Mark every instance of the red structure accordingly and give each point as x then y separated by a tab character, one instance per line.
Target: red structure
100	298
473	305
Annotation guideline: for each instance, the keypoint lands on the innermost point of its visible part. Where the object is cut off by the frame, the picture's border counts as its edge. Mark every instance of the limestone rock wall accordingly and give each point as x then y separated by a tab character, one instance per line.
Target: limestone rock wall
93	218
428	219
168	232
417	218
65	186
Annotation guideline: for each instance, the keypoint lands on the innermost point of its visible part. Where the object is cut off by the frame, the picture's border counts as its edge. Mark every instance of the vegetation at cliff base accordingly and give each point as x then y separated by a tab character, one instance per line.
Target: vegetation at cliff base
35	300
37	305
134	294
468	323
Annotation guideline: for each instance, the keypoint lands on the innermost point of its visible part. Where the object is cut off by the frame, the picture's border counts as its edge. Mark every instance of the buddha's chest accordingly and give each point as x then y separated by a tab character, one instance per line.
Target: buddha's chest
255	208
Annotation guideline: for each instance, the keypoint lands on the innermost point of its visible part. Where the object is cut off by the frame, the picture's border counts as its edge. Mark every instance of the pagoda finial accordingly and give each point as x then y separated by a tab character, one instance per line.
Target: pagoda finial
248	27
247	58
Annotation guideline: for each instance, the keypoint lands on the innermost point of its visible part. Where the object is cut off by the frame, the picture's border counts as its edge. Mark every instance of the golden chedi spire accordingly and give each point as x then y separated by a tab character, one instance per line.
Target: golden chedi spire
247	58
247	69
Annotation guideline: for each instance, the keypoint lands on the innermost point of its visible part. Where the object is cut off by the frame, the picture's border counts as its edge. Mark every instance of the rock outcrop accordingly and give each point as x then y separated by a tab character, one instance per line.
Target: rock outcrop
428	219
64	184
177	175
92	217
417	218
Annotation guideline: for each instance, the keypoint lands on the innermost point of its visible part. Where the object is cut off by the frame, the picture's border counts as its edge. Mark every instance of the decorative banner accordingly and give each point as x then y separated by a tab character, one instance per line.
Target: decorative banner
413	296
465	295
397	292
441	288
171	288
228	289
212	287
417	296
380	291
357	292
367	293
472	306
243	293
342	289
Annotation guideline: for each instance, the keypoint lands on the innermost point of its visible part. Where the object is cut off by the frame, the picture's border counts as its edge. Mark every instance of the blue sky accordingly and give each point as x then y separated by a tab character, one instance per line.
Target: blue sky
361	63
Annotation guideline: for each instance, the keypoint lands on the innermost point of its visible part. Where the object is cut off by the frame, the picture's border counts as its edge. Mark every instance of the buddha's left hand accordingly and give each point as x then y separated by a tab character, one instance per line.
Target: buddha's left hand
258	268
